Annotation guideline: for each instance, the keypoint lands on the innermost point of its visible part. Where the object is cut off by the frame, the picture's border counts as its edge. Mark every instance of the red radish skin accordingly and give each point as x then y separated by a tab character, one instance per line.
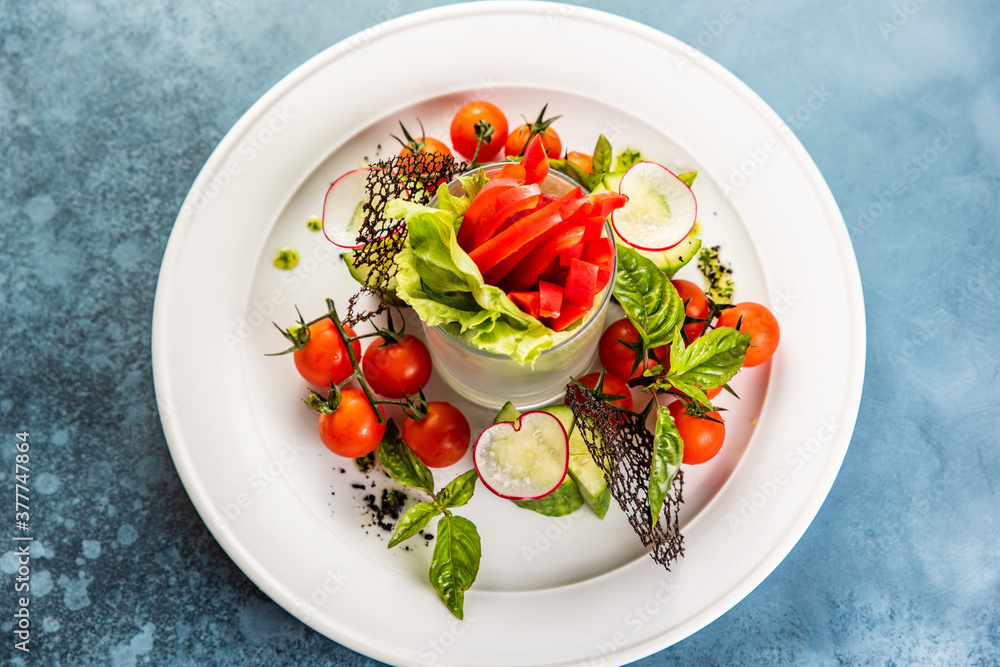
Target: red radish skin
485	439
335	221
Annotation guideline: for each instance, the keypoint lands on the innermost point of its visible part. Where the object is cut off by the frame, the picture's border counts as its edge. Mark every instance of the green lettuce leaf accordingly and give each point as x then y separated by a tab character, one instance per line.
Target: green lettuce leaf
439	280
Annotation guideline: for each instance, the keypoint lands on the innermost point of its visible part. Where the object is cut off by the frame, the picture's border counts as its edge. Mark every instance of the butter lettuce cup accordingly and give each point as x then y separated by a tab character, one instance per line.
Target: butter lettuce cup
505	318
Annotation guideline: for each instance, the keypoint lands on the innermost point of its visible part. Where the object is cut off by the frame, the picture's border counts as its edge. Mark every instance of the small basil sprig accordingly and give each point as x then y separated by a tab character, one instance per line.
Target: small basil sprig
457	551
710	361
668	450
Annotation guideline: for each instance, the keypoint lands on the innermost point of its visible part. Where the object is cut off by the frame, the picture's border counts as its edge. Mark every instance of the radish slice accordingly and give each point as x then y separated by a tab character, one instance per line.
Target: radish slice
660	211
524	459
342	209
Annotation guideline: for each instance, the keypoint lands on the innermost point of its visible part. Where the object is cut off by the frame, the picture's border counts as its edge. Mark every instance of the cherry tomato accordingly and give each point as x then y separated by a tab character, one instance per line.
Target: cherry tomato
615	355
353	429
463	130
431	145
702	438
324	358
517	141
439	439
583	160
397	368
760	323
696	306
612	386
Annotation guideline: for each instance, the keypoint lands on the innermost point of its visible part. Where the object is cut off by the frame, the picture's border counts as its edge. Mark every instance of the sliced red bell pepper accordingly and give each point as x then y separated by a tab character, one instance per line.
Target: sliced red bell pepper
515	200
570	314
485	198
530	269
535	161
550	299
607	201
512	170
573	252
604	273
581	283
526	230
529	302
597	251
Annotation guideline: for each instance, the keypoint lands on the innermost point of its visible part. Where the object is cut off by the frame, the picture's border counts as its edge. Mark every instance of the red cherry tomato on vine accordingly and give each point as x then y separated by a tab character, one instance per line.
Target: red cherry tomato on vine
324	358
463	130
760	323
397	368
612	386
696	306
439	439
353	429
702	438
431	145
618	358
517	141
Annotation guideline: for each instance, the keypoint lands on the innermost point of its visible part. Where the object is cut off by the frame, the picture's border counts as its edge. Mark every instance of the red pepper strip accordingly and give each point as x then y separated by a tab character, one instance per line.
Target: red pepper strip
570	314
484	200
535	161
512	170
581	283
514	200
527	272
604	274
550	299
573	252
527	229
595	228
608	201
597	251
529	302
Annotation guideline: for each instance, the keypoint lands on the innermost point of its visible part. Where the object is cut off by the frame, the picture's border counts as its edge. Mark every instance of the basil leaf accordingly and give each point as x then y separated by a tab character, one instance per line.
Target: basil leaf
602	156
668	450
401	464
709	362
415	520
459	490
688	177
647	296
455	562
566	499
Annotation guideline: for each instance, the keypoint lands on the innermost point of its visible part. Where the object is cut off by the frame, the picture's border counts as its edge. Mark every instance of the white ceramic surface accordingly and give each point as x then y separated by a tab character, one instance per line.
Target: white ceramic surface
568	591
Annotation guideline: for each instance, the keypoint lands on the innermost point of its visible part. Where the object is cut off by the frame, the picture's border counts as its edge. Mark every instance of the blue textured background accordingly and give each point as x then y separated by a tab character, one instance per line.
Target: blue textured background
107	112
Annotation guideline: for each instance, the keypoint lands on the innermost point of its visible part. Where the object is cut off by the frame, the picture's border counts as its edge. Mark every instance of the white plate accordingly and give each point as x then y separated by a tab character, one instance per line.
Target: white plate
550	592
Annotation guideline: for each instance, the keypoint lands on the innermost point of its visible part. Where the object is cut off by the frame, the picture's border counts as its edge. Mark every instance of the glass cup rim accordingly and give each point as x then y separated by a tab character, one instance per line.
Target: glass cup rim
593	315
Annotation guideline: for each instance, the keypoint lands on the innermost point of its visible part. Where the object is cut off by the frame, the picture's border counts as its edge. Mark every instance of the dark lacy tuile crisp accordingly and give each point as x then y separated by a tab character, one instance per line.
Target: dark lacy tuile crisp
623	448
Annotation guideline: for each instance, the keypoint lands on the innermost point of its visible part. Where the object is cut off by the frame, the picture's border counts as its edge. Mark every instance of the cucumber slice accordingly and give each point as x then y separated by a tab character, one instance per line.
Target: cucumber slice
660	211
585	472
564	500
508	413
361	273
673	260
524	459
